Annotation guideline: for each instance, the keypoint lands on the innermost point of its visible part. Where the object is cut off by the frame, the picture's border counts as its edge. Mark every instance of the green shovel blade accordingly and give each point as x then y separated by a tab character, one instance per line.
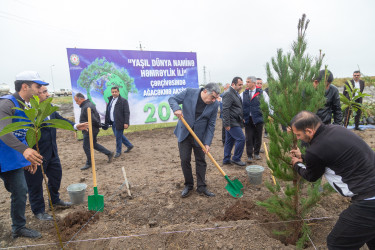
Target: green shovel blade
234	187
96	201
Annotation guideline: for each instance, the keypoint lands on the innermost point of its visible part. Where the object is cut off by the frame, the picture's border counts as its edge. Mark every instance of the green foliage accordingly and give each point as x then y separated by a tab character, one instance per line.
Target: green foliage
36	120
290	78
349	102
101	75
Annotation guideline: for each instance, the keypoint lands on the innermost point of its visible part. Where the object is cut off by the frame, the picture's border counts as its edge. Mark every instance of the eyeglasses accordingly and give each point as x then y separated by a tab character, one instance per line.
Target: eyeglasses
357	75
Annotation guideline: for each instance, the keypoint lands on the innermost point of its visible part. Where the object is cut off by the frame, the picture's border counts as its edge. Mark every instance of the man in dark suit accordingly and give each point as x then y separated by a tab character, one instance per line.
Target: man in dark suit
233	123
80	99
51	165
200	112
355	83
117	114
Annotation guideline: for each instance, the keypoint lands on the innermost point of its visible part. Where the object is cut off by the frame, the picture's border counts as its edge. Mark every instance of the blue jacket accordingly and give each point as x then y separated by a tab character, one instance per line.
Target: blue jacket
204	126
252	106
11	159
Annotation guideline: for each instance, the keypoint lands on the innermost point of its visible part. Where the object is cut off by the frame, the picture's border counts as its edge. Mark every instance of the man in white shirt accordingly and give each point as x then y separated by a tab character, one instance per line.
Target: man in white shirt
355	83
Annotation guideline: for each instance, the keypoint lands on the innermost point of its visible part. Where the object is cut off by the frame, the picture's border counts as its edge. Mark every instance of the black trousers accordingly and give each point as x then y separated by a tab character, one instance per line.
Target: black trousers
186	147
355	227
223	135
52	169
356	118
97	146
253	134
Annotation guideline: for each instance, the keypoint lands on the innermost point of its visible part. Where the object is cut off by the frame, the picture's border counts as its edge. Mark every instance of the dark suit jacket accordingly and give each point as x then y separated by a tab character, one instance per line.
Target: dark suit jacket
232	109
361	87
121	113
204	125
47	143
94	116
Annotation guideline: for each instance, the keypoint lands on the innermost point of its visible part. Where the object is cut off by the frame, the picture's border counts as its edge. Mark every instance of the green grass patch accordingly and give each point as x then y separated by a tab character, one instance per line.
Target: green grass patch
62	100
133	128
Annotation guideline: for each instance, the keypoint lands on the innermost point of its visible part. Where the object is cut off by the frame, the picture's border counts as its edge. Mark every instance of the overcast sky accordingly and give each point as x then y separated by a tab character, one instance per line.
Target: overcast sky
231	38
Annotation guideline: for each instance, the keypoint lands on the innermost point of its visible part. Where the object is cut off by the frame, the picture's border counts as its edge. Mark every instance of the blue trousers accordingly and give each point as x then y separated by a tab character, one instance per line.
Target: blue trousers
52	169
235	137
14	182
120	139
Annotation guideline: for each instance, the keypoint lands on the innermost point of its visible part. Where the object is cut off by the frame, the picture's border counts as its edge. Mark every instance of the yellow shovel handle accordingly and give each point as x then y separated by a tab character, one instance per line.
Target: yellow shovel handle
91	146
268	158
202	146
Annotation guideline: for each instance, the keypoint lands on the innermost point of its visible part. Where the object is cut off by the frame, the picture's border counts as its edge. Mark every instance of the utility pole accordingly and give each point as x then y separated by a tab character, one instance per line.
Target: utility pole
53	84
204	75
140	46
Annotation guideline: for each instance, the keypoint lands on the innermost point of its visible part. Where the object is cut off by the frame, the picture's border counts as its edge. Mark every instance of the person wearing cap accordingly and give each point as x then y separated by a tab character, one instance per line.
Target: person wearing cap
348	165
51	165
15	154
332	108
84	103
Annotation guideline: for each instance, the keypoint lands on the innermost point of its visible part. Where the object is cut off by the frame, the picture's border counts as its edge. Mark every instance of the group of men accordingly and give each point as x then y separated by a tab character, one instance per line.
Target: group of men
16	156
243	110
117	115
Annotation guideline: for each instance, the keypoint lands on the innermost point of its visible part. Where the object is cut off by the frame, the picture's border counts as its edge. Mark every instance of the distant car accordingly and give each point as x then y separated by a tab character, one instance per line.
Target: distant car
63	92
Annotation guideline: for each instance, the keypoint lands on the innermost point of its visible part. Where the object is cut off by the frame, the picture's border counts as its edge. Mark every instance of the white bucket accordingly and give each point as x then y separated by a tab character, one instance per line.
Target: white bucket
255	173
77	192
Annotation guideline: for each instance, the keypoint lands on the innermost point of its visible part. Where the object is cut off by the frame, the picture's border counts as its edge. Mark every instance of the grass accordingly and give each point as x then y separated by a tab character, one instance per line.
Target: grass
62	100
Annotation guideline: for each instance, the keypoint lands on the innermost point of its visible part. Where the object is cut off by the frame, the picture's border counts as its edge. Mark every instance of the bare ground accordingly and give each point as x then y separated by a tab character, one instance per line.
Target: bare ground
155	217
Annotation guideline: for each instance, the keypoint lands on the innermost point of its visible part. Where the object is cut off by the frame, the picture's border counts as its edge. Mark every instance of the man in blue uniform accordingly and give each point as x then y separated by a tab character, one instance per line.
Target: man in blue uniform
15	154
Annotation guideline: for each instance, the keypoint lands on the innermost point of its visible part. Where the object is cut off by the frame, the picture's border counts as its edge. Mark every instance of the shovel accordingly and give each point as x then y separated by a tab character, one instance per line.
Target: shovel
234	187
96	201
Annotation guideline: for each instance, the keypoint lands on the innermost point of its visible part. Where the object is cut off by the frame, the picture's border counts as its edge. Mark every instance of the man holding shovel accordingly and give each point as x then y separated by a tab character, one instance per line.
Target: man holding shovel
348	164
15	154
200	111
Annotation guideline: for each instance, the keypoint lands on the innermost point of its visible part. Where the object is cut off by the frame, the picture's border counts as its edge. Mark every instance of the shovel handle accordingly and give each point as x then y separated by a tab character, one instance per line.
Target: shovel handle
202	146
268	158
91	145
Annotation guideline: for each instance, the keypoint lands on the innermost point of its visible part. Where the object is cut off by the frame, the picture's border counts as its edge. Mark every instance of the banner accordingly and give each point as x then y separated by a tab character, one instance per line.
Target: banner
145	78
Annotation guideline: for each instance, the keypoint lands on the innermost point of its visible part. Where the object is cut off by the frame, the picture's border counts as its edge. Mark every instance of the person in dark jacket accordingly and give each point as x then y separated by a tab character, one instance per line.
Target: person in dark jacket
355	83
51	165
332	107
80	99
199	109
348	164
253	117
117	114
233	123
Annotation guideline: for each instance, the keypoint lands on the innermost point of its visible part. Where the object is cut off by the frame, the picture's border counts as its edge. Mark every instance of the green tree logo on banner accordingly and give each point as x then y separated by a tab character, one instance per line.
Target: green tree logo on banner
101	76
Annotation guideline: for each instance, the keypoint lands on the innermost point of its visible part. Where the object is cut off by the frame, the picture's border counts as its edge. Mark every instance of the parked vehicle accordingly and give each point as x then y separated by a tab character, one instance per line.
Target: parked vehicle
63	92
4	89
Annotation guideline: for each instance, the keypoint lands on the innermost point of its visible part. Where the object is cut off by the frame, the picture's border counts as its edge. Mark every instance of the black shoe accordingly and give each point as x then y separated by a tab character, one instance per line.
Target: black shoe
26	232
250	159
128	150
239	163
227	163
43	216
85	167
110	157
62	203
186	192
358	128
257	157
117	155
205	192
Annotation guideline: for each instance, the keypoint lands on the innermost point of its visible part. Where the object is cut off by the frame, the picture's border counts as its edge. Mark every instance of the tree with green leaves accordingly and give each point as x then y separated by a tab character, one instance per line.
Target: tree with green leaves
36	115
102	75
291	90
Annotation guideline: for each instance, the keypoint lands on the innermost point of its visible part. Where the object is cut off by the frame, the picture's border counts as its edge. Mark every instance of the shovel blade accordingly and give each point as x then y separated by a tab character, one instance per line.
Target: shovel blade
234	187
96	201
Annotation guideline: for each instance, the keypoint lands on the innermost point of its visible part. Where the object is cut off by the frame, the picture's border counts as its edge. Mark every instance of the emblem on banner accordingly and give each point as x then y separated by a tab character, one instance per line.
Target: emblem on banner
74	59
